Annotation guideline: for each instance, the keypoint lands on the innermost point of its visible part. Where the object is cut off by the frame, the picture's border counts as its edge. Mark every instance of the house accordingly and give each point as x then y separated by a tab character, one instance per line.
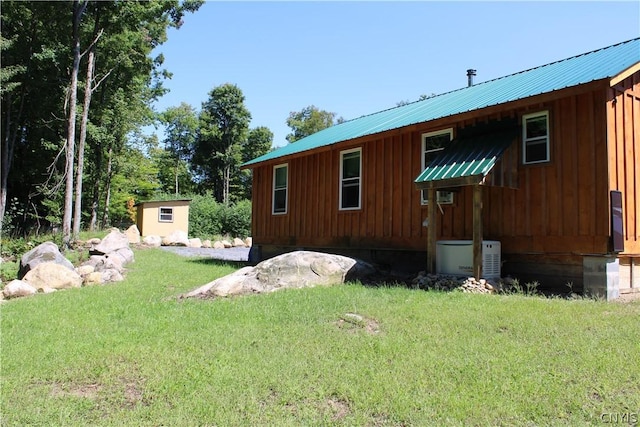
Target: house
161	218
545	161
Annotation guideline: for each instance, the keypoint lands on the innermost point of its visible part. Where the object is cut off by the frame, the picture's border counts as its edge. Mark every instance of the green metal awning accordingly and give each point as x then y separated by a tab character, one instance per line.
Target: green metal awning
465	161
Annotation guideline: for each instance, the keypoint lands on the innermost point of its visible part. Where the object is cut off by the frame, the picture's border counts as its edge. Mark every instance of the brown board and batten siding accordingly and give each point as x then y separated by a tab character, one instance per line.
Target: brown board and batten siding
623	119
556	209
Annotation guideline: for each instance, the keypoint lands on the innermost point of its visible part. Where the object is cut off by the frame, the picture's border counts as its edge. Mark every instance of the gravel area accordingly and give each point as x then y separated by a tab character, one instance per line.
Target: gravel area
228	254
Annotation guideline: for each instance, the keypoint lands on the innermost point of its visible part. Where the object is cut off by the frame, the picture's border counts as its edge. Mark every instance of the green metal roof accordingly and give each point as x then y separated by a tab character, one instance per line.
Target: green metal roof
466	160
596	65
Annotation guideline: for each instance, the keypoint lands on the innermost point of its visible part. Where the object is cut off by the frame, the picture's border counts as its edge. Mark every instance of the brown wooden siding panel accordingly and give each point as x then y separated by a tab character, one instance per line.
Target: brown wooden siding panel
584	155
601	212
556	206
629	181
624	154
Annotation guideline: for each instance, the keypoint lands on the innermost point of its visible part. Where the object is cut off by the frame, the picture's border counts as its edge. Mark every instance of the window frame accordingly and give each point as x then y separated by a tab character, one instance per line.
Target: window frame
160	213
442	197
359	179
285	188
546	138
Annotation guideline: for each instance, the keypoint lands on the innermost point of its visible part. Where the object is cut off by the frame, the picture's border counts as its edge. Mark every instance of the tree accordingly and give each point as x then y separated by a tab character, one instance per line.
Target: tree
181	131
78	11
43	72
259	142
421	98
309	121
224	123
35	52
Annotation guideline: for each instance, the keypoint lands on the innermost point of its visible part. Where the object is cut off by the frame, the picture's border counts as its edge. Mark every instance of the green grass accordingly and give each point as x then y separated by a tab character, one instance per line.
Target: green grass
133	354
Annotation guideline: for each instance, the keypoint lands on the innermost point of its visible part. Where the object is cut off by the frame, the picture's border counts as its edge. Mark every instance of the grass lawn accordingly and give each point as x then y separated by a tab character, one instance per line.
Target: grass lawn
132	354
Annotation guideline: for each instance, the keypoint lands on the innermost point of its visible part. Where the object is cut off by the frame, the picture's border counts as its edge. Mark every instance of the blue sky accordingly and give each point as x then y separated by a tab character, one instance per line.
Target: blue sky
357	58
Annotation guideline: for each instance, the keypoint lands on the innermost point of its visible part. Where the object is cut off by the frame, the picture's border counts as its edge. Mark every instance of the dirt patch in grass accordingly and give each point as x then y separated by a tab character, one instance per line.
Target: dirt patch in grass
87	391
127	391
356	322
338	408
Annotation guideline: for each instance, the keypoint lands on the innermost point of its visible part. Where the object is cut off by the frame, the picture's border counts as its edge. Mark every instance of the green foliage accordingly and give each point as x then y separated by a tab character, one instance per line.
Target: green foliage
309	121
205	217
36	59
136	179
236	219
15	247
133	354
208	218
224	125
9	271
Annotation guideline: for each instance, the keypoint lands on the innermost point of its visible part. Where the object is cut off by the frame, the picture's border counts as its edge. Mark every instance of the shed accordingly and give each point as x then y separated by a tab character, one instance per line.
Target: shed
161	218
545	161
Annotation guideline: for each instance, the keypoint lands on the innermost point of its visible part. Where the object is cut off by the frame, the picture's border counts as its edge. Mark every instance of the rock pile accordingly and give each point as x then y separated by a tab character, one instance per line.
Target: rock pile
451	283
44	269
180	238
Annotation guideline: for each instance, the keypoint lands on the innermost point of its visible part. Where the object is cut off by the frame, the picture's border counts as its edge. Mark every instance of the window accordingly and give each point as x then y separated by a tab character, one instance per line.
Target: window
166	215
280	185
432	144
535	138
350	178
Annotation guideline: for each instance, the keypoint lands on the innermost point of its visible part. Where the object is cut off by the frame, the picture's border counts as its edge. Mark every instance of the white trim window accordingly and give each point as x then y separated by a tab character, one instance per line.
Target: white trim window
535	138
165	214
432	144
350	179
280	189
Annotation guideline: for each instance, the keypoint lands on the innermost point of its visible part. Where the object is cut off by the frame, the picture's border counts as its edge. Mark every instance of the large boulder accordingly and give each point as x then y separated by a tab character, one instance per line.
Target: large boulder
177	238
153	241
45	252
53	276
297	269
113	241
195	243
18	288
125	254
133	234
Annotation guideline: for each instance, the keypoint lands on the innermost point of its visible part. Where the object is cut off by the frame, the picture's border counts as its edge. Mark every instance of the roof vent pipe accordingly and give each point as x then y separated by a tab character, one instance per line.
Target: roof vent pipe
470	74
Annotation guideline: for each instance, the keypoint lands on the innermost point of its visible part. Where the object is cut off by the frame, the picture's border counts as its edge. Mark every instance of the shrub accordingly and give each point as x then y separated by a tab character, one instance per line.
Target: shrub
204	216
236	219
208	218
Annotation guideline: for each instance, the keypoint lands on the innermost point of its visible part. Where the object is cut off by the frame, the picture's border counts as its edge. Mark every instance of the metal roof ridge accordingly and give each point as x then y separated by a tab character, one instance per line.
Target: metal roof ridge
487	93
491	80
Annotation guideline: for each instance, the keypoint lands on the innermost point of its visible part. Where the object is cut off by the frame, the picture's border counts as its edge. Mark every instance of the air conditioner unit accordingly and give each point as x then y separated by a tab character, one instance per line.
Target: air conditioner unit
455	257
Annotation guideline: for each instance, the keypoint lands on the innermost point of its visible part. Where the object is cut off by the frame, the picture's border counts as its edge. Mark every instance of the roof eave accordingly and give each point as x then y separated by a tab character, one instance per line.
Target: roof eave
624	74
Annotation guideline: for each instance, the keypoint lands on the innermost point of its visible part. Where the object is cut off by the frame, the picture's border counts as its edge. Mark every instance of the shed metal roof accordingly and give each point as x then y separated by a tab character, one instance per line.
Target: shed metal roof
466	160
596	65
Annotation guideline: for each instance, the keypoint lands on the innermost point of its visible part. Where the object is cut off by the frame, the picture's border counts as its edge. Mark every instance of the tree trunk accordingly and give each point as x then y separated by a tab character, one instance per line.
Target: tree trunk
93	223
77	213
107	188
88	91
78	10
12	126
5	163
177	164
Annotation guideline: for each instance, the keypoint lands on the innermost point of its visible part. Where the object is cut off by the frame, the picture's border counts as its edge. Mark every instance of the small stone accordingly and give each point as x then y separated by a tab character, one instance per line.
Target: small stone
83	270
93	278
